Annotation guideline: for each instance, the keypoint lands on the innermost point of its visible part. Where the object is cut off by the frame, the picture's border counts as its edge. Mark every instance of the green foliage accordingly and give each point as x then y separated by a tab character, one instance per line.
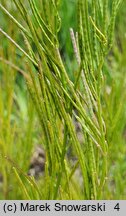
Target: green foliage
93	97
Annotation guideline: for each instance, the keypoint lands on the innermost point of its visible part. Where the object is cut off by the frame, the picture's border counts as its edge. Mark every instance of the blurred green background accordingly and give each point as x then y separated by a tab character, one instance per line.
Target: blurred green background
18	121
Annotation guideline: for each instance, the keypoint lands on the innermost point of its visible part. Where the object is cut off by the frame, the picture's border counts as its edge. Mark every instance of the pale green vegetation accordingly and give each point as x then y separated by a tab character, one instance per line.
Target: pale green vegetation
47	79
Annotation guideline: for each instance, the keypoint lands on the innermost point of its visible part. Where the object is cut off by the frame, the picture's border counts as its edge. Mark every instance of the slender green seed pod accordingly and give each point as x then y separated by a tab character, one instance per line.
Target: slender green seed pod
38	21
19	8
92	165
46	11
86	34
95	49
105	9
112	24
